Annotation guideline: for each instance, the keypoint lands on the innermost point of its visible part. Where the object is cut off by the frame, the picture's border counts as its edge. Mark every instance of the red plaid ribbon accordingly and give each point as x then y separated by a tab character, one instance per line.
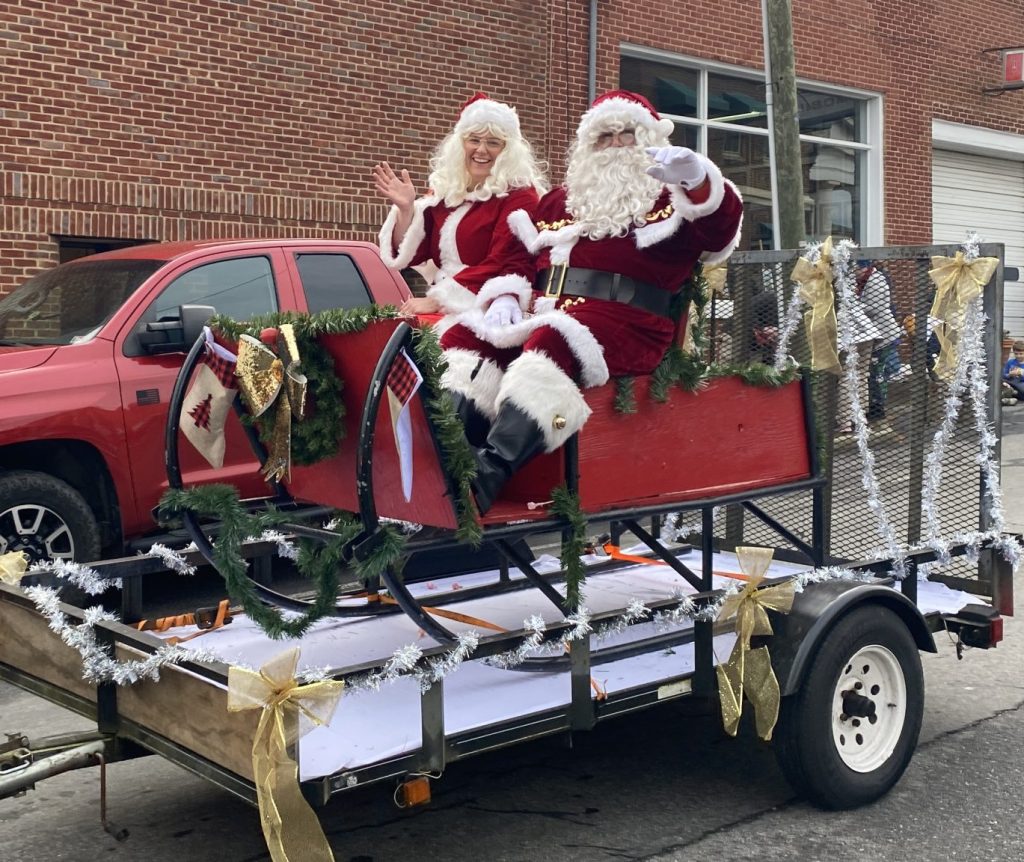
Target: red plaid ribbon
223	369
403	378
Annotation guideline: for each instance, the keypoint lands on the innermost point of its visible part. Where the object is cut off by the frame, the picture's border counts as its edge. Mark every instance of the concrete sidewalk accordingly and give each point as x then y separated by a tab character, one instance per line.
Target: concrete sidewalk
1012	473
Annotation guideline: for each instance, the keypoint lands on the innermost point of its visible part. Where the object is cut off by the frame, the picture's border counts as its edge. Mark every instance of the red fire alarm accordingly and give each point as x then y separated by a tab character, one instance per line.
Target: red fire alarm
1013	67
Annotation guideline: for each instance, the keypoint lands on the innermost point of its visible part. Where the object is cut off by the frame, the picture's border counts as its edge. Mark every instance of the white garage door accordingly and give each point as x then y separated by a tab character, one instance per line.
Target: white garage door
986	195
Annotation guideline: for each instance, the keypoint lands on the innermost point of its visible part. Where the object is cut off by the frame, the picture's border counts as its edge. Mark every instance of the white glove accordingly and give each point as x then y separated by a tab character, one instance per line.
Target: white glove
503	311
677	166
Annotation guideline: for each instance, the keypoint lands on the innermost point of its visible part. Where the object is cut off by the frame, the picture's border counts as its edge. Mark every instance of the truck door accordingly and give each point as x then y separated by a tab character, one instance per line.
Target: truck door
241	287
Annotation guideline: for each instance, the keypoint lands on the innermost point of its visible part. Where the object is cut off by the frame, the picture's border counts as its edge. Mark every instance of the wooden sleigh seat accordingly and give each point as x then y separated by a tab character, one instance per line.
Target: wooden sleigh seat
726	439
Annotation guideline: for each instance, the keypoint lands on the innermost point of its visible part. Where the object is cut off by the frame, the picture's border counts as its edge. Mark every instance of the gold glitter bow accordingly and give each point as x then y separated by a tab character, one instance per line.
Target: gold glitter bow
957	282
714	275
290	827
815	282
13	567
270	383
749	671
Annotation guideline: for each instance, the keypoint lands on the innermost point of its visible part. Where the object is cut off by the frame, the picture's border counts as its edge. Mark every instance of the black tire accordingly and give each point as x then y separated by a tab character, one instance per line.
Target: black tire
46	518
838	760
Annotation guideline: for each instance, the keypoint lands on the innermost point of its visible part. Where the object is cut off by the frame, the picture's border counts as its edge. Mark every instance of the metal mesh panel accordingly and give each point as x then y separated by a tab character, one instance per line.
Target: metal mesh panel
904	401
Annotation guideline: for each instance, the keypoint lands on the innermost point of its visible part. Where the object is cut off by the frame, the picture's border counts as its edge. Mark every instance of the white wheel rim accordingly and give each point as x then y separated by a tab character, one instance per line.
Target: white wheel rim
865	743
36	529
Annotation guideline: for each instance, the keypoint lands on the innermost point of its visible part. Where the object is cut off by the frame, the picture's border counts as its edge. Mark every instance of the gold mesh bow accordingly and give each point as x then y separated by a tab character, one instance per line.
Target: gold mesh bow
815	283
749	671
13	567
290	827
714	275
957	282
270	383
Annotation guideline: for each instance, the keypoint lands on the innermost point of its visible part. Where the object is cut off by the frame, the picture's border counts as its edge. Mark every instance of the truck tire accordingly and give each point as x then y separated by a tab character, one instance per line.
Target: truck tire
46	518
845	738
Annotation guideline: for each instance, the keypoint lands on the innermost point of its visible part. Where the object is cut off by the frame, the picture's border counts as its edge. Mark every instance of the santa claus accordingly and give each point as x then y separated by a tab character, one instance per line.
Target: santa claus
612	246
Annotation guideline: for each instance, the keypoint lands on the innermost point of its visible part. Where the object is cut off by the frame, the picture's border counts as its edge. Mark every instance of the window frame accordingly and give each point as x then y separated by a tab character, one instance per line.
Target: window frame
870	226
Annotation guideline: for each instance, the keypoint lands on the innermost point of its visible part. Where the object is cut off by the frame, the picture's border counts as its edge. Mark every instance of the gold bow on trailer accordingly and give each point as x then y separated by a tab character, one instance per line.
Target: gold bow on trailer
815	283
714	274
958	281
290	827
273	381
13	567
749	671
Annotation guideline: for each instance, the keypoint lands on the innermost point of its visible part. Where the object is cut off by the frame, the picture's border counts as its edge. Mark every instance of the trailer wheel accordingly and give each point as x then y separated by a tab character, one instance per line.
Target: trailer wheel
46	518
845	738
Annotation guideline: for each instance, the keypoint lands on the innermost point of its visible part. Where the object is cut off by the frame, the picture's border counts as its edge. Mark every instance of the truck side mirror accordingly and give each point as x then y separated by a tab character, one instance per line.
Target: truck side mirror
175	334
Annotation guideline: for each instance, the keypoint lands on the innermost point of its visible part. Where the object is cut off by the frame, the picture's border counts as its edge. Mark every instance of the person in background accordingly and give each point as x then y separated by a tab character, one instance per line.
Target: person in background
613	245
875	292
1013	375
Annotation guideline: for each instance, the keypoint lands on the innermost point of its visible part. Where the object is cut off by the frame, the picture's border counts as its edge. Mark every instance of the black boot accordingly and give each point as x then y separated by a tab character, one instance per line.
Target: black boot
473	419
513	440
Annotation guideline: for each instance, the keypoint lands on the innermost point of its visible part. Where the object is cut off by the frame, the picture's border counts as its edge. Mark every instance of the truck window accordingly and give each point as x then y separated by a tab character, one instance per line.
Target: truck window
331	281
241	288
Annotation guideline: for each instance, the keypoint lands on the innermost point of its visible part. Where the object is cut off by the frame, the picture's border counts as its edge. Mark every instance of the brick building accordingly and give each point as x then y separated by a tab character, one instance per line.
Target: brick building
170	120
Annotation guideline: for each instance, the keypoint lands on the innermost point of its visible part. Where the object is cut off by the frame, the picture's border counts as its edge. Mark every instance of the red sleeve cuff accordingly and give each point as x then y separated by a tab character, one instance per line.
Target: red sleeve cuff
700	194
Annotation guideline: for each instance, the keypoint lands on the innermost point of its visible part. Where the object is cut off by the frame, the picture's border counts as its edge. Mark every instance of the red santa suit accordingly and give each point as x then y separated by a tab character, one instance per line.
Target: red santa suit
470	245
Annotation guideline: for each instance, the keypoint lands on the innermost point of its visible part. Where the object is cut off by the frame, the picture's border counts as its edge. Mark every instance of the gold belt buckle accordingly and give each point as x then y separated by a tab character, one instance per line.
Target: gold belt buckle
561	268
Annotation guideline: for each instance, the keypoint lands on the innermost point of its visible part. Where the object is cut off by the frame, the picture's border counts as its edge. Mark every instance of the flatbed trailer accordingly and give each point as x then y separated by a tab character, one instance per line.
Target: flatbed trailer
427	688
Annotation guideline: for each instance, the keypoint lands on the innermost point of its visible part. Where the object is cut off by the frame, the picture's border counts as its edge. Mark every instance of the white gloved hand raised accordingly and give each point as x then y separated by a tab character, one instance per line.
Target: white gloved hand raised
677	166
503	311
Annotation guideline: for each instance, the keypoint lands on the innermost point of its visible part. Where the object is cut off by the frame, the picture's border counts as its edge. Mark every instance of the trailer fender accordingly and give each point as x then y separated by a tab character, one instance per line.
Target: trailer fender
815	611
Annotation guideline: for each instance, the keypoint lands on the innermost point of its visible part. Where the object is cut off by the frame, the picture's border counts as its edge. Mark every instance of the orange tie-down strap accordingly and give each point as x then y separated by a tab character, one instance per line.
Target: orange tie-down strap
476	621
614	552
199	618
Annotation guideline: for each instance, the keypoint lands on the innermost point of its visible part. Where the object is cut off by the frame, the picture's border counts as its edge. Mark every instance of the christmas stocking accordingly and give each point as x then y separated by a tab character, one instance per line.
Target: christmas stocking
206	406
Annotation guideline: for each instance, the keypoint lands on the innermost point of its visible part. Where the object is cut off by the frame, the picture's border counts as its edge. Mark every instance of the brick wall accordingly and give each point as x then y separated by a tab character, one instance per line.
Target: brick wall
171	120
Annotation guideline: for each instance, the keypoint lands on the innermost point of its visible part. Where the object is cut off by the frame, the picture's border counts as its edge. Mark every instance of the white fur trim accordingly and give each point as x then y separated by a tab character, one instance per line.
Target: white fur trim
452	296
560	241
487	113
691	211
539	388
413	236
524	229
655	232
476	378
506	285
581	341
626	111
451	263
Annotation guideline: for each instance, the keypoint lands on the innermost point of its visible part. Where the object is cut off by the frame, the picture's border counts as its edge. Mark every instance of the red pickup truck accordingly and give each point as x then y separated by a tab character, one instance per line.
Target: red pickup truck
89	352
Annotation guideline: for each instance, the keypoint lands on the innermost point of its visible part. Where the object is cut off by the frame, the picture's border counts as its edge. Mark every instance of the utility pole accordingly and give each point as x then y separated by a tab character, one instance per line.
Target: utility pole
780	91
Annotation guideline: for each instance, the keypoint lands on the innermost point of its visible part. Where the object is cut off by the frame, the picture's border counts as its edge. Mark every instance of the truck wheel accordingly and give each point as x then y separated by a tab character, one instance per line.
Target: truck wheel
46	518
845	738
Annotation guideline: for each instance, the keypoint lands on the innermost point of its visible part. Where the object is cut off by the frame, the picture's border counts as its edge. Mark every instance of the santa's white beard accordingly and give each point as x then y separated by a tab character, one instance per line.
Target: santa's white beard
608	191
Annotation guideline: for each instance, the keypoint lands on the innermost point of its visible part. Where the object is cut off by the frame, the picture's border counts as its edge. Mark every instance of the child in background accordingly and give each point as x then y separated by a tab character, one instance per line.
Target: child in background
1013	375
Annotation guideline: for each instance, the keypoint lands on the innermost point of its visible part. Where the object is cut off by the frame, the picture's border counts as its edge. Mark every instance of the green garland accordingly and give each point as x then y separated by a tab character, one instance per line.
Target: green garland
566	505
625	395
456	454
317	436
320	562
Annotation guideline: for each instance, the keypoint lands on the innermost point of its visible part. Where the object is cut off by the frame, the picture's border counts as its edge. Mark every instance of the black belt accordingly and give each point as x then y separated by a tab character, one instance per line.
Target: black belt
577	281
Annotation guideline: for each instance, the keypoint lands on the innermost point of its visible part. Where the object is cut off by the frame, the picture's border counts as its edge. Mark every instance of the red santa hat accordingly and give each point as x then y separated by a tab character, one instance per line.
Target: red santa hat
480	112
624	107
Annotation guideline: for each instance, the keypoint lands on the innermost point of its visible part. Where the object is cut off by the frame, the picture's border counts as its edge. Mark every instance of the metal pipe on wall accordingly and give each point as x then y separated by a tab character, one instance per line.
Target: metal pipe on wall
592	54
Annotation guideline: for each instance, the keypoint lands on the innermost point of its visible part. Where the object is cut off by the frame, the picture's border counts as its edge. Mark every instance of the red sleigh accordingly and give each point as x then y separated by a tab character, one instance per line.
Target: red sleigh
729	442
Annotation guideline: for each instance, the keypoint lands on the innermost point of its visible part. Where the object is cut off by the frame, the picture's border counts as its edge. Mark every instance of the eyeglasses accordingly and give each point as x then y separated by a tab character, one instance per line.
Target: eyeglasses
625	137
491	143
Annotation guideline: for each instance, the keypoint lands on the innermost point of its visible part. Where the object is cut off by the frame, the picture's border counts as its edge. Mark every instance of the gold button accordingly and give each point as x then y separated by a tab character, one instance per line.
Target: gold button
559	422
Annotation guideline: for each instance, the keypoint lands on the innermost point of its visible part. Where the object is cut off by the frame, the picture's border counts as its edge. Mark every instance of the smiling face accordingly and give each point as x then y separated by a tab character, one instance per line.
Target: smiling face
482	148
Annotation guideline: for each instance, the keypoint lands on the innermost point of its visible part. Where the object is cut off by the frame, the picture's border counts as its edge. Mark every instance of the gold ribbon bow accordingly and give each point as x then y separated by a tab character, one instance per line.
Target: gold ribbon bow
13	567
290	827
714	275
749	671
957	282
268	382
815	283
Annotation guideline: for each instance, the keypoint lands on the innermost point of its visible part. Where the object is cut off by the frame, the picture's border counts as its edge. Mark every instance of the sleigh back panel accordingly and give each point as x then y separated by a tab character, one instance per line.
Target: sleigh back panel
333	482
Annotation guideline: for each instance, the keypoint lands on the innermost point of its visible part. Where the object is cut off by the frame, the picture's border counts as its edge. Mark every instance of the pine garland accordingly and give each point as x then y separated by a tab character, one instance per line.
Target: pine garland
318	561
456	454
625	395
317	436
566	505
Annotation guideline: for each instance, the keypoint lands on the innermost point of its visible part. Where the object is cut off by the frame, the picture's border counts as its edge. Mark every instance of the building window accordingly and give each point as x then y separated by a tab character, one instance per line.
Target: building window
74	247
721	111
